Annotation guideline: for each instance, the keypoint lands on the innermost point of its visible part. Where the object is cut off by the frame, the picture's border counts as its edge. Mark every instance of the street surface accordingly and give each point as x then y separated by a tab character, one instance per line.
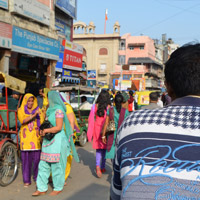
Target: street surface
82	184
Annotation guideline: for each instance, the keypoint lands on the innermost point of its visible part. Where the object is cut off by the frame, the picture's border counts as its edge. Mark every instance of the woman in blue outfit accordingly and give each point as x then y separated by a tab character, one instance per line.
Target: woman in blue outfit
55	151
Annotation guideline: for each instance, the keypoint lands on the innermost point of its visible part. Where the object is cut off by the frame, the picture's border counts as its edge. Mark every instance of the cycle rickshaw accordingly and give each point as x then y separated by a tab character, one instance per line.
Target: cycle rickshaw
8	126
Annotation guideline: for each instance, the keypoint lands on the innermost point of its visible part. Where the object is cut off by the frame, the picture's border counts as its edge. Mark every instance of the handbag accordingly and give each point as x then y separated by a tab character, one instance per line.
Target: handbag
46	124
110	139
111	125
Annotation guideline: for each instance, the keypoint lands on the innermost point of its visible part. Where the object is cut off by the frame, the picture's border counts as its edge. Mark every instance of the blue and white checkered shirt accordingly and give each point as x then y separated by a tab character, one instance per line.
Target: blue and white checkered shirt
158	153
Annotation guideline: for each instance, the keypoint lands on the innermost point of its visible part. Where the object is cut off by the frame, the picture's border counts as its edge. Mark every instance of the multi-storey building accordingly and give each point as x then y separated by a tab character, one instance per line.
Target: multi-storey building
137	61
29	45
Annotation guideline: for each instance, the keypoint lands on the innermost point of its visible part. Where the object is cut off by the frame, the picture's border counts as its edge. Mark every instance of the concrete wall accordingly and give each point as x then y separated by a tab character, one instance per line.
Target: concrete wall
92	43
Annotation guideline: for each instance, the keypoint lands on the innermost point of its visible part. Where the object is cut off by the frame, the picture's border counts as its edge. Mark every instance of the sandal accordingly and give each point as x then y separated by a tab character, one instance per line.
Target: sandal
26	185
54	193
98	172
38	193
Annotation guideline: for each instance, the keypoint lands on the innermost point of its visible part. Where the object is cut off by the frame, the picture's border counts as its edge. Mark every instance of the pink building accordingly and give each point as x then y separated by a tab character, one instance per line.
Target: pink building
137	60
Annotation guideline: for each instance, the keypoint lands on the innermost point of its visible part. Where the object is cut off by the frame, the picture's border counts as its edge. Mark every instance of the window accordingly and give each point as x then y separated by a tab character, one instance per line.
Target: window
141	47
131	47
103	51
103	67
122	45
127	77
121	60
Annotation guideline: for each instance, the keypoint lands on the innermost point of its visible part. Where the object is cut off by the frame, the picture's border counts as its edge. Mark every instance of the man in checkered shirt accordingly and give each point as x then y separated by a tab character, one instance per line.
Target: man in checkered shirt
158	151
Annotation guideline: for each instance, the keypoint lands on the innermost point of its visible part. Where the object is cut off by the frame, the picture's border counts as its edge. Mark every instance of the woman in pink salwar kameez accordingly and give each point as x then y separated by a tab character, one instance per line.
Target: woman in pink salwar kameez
96	121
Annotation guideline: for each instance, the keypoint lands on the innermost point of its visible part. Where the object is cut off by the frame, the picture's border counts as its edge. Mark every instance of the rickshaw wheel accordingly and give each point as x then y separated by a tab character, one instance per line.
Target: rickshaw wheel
8	164
83	139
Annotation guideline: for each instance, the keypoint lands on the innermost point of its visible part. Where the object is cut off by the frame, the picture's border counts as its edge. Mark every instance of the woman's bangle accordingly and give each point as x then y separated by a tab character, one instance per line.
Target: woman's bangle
103	137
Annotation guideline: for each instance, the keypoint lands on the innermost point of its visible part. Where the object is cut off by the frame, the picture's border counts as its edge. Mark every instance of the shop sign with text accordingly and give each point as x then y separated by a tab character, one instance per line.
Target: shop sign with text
68	6
5	35
63	28
38	10
4	4
73	54
27	42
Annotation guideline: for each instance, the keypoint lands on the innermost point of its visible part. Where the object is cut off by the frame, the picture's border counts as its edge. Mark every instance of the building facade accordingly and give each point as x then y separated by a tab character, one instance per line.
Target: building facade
29	39
100	51
137	62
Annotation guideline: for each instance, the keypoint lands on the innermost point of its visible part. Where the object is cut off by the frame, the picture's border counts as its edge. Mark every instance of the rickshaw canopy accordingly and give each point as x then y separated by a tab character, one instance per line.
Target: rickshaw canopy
13	83
75	87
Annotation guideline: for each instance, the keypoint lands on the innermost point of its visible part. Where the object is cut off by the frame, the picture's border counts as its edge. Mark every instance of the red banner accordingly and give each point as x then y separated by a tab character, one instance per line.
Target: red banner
72	60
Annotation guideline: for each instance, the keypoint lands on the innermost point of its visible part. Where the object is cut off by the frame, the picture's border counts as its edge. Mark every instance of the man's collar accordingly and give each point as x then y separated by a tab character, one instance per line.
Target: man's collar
186	101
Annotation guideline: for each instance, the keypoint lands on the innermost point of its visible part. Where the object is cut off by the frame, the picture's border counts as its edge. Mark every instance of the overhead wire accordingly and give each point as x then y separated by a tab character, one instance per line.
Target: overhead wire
166	19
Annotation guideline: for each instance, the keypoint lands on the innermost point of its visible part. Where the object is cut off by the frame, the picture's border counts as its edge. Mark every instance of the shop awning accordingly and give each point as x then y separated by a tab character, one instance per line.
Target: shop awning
144	60
71	79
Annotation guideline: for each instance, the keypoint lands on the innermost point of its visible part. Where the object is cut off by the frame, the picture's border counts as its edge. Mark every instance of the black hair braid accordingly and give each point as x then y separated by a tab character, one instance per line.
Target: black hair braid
118	102
103	101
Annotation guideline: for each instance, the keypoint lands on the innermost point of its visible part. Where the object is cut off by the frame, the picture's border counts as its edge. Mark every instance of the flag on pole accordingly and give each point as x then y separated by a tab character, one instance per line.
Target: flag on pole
106	18
106	15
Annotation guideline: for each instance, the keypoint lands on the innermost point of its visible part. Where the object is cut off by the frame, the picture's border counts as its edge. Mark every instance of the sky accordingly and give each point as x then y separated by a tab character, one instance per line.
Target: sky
178	19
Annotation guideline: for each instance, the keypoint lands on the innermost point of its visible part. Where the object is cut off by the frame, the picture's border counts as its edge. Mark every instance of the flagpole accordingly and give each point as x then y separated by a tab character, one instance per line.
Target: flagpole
106	18
105	27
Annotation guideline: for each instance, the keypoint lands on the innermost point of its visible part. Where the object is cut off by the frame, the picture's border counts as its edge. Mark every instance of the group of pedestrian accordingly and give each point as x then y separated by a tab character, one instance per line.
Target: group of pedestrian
102	113
154	150
48	157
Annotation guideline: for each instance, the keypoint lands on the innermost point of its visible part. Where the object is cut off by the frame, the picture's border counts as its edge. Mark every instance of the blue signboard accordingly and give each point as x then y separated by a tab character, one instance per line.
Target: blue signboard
63	28
4	4
67	6
59	64
27	42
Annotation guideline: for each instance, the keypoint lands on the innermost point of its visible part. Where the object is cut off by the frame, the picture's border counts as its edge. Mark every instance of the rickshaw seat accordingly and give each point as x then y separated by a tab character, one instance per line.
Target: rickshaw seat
3	114
12	105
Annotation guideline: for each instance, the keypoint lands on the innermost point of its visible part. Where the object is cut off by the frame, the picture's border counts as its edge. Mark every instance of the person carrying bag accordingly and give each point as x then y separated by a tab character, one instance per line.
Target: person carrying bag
109	135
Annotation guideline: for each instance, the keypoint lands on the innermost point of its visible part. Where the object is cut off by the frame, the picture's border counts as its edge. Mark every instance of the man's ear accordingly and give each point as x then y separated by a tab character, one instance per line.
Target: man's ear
170	91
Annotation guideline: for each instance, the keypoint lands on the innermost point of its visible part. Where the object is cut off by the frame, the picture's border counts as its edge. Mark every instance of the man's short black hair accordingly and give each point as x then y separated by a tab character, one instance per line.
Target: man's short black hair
153	96
83	98
182	70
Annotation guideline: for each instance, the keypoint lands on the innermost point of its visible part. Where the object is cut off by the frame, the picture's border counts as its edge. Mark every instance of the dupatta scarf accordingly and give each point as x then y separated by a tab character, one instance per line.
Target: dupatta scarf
55	103
76	126
23	109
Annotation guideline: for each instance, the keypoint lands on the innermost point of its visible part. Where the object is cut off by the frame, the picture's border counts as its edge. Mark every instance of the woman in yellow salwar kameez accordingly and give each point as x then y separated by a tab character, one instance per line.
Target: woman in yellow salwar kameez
30	117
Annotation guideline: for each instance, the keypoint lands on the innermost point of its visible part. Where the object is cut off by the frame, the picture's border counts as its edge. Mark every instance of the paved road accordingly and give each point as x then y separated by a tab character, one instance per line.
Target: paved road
82	183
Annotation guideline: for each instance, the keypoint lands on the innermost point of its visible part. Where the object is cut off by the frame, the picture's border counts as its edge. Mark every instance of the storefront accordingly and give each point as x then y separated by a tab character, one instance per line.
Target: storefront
33	56
69	66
